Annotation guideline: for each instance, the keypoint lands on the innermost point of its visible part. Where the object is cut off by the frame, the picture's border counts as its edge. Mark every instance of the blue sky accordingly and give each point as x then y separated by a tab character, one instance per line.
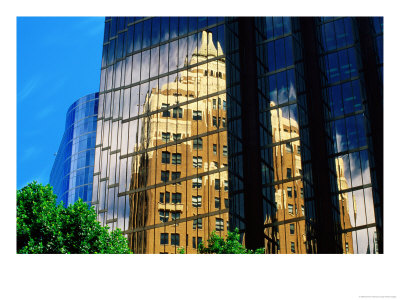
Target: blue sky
58	61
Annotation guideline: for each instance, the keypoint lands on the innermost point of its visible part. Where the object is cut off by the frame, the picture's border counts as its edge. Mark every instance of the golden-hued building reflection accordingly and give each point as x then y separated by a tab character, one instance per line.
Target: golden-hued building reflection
287	225
179	189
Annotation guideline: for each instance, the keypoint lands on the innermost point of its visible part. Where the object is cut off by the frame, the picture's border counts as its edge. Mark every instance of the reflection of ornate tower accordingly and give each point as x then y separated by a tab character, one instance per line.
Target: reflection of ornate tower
347	239
183	159
289	196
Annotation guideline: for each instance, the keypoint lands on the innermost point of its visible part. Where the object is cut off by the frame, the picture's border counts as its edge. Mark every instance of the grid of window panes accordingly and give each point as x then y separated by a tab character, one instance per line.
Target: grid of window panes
72	172
346	123
280	84
236	192
161	160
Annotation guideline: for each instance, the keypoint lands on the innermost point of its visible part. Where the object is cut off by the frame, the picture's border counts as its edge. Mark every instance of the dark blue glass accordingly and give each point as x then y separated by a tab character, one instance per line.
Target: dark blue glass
378	24
146	33
329	36
271	56
106	31
272	89
129	46
287	25
121	23
173	27
333	68
183	25
356	95
351	133
340	33
289	51
282	87
164	29
155	31
348	97
349	31
270	28
280	53
353	63
111	50
362	139
120	45
379	44
192	24
202	22
278	26
137	44
113	28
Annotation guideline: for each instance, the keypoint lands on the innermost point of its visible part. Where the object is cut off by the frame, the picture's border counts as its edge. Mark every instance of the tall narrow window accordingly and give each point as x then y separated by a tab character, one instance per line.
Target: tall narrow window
164	239
176	158
175	239
226	185
214	121
196	201
225	150
292	248
165	136
217	184
175	175
165	113
176	198
290	208
289	148
164	176
214	103
291	228
177	113
164	216
215	149
198	223
198	143
217	202
197	183
289	173
165	159
197	161
289	192
175	215
219	224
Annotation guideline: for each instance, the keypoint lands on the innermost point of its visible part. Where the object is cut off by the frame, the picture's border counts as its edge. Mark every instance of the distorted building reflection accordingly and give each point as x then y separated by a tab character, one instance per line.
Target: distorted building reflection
179	179
295	101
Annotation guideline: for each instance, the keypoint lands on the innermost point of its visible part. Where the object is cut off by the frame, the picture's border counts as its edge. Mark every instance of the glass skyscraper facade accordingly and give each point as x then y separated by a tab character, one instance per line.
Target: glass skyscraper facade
72	172
271	125
161	148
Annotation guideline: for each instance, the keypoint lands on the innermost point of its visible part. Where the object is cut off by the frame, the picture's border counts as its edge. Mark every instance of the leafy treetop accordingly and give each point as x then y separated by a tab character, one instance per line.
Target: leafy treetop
44	227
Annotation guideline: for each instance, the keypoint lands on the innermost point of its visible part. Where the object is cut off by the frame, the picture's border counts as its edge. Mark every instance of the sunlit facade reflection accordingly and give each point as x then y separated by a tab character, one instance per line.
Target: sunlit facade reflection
72	172
161	161
287	98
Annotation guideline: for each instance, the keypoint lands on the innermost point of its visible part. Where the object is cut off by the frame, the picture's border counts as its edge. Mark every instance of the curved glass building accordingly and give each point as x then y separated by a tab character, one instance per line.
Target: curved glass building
72	172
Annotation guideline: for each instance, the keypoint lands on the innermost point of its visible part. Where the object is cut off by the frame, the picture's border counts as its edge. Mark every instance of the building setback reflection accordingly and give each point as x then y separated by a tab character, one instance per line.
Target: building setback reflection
179	187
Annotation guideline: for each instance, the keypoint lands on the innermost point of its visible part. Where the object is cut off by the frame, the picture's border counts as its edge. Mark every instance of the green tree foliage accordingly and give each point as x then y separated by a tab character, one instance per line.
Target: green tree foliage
232	245
44	227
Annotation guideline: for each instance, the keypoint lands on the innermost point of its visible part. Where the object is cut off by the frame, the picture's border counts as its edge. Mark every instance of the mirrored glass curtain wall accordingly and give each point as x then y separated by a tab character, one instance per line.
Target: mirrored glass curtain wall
270	125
